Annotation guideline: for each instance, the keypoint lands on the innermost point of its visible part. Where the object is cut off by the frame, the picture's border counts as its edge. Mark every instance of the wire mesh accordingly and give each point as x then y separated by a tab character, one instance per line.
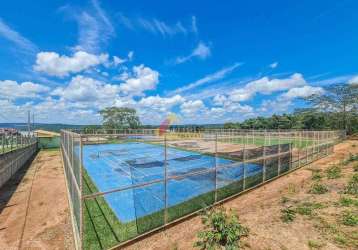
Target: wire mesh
126	183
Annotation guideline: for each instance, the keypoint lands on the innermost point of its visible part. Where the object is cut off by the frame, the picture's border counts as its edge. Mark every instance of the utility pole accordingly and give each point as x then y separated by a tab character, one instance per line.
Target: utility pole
33	122
28	123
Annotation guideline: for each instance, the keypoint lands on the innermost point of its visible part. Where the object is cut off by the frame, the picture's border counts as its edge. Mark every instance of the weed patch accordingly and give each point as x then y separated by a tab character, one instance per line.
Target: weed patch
352	186
333	172
221	230
349	218
318	188
288	214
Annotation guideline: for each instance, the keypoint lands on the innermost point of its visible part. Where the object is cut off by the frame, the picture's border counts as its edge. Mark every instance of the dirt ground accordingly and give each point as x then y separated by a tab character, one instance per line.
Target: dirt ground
34	210
261	210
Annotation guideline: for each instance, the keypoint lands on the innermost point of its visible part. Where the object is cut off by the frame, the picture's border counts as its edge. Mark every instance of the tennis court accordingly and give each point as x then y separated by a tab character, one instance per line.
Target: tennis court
113	166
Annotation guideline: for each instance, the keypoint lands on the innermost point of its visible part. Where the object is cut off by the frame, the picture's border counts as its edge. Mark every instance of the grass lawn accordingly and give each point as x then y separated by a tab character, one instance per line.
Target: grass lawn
260	141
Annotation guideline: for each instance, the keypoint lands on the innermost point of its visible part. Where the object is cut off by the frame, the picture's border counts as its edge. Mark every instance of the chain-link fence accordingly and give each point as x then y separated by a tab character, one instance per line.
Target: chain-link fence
137	181
15	151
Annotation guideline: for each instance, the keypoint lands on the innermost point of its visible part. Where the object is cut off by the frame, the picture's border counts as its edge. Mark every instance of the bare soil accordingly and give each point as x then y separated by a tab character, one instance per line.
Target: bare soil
34	211
261	209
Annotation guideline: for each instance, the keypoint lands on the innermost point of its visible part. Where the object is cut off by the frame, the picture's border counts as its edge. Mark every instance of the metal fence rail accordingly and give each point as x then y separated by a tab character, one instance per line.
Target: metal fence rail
160	177
18	154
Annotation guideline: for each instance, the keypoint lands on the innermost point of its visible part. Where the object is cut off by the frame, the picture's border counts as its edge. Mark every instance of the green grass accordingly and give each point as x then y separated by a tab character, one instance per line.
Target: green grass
260	141
288	214
352	186
334	172
349	218
318	188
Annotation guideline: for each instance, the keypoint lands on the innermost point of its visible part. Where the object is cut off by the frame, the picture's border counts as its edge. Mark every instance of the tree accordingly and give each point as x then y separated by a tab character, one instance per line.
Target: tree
119	118
341	99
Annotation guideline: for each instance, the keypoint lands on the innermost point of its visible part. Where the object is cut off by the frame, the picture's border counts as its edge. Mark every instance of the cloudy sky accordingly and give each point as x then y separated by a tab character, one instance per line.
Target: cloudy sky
205	61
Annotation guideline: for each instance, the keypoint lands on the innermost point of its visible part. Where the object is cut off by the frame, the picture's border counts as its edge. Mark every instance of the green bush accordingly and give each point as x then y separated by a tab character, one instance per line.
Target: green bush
307	208
349	218
318	188
352	186
288	214
221	230
333	172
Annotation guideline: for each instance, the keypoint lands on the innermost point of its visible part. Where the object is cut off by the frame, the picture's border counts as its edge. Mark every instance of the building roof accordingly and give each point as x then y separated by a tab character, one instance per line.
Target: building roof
46	134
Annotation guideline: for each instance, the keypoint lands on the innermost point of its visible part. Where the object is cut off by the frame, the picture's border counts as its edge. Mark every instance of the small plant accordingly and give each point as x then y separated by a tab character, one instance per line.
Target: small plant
333	172
350	158
288	214
221	230
349	218
340	239
352	186
355	167
316	176
318	188
346	201
307	208
284	200
312	244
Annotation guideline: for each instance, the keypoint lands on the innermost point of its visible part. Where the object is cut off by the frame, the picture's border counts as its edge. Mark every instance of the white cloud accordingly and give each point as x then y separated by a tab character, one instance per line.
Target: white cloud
304	91
156	26
117	60
202	51
144	78
273	65
191	107
160	103
207	79
267	86
53	64
353	80
130	55
87	90
13	90
94	27
15	37
194	27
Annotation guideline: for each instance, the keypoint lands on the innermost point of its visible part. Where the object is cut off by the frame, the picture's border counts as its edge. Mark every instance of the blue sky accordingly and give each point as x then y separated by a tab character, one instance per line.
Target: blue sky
205	61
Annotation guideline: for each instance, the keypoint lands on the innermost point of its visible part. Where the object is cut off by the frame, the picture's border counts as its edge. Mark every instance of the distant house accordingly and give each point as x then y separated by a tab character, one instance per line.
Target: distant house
47	139
8	131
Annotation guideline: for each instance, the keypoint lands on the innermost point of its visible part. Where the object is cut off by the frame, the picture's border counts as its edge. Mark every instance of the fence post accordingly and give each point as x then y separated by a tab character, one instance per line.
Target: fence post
264	158
216	166
165	181
279	153
80	194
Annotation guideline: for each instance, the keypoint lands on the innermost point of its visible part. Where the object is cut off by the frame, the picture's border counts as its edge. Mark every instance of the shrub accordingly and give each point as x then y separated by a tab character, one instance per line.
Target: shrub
350	158
349	218
346	201
288	214
307	208
221	230
312	244
316	176
352	186
318	188
333	172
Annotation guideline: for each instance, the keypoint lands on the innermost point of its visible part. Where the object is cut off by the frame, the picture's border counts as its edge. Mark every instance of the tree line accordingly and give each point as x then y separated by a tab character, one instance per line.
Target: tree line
336	108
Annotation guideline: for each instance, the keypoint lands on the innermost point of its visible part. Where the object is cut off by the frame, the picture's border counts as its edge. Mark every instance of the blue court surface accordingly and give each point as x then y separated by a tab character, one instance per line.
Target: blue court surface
112	166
